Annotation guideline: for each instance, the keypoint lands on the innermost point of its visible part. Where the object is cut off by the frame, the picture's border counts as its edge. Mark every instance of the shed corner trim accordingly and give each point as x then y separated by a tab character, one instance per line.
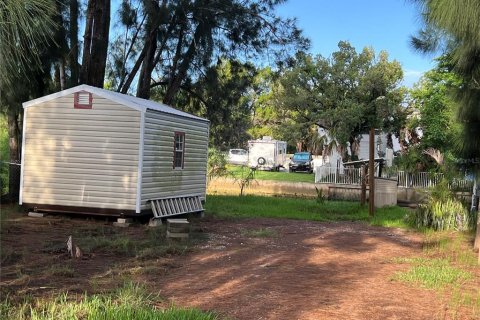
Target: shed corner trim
140	163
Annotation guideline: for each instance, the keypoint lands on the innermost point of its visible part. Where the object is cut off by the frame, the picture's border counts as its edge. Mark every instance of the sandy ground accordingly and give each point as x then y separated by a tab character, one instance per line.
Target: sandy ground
297	270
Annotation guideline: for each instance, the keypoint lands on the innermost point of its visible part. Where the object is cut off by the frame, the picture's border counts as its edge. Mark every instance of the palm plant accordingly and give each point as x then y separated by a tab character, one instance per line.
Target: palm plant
25	25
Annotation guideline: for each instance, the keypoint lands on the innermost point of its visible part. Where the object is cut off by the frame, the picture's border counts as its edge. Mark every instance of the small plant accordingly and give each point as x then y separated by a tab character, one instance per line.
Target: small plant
245	178
320	196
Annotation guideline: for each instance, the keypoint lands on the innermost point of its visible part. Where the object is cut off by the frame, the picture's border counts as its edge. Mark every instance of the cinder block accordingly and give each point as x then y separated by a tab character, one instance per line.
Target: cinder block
124	220
36	214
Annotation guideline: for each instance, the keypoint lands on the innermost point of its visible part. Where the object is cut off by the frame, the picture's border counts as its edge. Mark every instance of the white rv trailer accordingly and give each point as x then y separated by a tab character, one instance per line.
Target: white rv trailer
267	153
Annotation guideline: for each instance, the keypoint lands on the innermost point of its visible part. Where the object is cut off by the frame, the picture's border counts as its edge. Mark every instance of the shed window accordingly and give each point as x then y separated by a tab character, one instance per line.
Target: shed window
83	100
179	150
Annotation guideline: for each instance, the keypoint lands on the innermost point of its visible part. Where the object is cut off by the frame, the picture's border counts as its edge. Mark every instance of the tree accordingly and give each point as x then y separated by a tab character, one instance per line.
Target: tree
181	39
453	26
346	94
432	98
221	95
95	45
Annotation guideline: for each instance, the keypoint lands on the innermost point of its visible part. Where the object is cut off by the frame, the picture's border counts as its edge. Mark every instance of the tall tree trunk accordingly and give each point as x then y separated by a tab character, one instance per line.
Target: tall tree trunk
174	85
145	77
14	148
73	35
61	66
143	89
95	45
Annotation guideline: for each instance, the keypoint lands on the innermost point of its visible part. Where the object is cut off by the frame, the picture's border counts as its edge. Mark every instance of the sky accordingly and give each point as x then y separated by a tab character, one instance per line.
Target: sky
381	24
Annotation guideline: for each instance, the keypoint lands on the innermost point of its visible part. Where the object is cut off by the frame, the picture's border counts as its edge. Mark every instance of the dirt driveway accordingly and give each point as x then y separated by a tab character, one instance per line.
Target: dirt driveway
243	269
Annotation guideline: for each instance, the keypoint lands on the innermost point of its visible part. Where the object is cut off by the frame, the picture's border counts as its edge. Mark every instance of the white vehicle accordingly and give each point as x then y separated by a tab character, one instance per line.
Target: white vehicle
237	156
266	153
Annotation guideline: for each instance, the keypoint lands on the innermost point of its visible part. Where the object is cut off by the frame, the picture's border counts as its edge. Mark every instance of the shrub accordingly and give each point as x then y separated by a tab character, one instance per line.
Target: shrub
442	211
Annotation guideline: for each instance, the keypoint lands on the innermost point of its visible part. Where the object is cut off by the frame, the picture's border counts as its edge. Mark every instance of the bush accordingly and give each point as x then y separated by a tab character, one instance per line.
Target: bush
442	211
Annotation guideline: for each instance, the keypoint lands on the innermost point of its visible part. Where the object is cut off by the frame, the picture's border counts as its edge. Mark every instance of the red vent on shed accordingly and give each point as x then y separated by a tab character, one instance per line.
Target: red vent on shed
83	100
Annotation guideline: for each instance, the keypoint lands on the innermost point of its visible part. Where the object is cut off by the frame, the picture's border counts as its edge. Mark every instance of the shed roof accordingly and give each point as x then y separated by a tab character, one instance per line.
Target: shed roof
129	101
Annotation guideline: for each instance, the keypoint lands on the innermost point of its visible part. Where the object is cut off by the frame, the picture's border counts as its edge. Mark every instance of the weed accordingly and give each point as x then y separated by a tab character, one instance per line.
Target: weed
260	233
320	196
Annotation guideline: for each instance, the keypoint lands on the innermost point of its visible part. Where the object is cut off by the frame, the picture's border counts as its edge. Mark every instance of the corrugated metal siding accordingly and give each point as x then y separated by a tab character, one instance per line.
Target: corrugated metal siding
159	179
81	157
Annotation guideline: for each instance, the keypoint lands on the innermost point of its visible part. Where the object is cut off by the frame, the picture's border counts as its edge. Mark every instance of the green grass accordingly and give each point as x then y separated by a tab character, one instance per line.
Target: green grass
129	302
236	171
432	273
300	209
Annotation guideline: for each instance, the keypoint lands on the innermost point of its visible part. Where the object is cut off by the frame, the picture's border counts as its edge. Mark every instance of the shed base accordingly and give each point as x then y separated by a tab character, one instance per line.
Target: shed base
85	210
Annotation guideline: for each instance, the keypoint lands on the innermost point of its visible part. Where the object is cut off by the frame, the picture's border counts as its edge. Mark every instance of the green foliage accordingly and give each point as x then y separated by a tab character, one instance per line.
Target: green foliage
454	27
217	164
433	113
25	26
128	302
300	209
442	211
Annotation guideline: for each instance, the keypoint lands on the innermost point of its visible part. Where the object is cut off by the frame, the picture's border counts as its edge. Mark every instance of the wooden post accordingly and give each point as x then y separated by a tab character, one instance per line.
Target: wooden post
371	173
363	196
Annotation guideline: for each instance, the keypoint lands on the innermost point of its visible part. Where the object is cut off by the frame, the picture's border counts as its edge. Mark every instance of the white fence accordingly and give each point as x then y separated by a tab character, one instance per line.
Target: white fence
332	175
353	176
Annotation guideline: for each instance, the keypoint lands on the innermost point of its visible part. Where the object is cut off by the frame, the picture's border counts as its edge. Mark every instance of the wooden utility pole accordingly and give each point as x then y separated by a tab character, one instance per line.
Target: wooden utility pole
371	173
363	195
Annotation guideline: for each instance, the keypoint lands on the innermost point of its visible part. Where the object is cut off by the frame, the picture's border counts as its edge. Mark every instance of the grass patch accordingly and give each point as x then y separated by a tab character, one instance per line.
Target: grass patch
454	246
129	302
65	271
260	233
301	209
118	241
236	171
432	274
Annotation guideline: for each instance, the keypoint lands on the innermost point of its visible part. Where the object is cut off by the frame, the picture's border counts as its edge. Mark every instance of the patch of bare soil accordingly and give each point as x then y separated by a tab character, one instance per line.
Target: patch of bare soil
294	270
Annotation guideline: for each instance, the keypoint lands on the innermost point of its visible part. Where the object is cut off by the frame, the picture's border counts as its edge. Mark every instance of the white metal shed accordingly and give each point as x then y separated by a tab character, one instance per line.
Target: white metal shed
87	149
